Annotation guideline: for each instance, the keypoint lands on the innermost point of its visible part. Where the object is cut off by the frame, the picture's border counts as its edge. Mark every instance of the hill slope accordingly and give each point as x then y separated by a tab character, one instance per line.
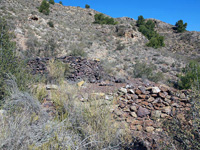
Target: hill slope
92	101
121	45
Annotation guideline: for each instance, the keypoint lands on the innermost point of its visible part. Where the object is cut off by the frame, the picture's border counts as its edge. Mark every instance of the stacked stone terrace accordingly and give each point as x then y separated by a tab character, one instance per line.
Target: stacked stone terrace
145	106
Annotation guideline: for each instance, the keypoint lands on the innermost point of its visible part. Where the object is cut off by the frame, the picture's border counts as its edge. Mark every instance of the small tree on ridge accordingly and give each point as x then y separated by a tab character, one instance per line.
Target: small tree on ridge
180	27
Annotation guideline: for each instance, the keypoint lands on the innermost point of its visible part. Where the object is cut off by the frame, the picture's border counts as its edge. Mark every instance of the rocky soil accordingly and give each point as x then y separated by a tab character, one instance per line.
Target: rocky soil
107	71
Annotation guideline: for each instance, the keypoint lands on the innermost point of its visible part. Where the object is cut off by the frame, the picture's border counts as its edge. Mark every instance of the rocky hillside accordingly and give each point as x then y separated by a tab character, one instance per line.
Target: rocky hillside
119	46
93	88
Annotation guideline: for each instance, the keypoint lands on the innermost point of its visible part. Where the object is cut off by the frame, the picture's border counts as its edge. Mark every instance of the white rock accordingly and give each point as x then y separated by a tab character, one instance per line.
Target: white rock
18	30
2	112
109	97
155	90
131	91
51	87
129	86
123	90
133	114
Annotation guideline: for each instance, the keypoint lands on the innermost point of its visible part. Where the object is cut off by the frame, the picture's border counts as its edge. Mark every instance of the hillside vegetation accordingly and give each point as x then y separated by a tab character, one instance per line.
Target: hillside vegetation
72	78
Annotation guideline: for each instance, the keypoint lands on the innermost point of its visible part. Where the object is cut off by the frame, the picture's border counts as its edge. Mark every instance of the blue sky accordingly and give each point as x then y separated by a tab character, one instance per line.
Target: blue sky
169	11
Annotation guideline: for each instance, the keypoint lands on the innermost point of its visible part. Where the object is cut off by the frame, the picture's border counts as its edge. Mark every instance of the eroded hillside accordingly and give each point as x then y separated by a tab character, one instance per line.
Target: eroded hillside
92	87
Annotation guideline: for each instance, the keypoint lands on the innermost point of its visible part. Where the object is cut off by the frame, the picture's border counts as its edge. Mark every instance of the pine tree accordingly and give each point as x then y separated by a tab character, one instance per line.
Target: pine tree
180	27
150	25
60	2
44	7
87	6
51	2
140	21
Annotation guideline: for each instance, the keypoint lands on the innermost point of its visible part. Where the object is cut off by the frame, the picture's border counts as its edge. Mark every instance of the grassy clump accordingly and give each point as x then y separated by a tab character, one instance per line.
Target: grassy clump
102	19
77	125
40	92
57	70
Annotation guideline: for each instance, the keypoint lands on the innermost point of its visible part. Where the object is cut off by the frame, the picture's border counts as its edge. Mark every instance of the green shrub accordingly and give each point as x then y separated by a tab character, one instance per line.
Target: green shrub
44	7
101	19
60	2
9	63
140	21
150	25
180	27
190	76
156	42
51	2
50	23
87	6
147	29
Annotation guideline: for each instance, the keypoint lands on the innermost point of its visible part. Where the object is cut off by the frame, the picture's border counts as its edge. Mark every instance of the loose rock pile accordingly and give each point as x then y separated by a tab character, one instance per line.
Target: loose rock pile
85	69
144	107
82	68
38	65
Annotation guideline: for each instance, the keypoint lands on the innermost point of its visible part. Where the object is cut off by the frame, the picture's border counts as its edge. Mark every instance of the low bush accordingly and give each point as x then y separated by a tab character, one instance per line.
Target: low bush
156	42
190	76
50	23
102	19
142	70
